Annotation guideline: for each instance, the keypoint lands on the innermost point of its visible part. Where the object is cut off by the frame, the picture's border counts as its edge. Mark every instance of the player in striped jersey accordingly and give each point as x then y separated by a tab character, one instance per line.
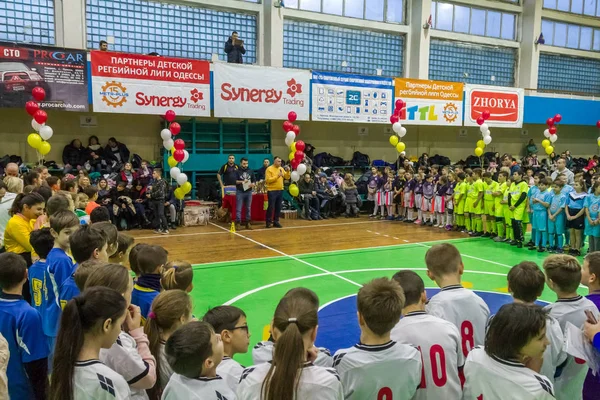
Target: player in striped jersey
437	339
371	369
467	311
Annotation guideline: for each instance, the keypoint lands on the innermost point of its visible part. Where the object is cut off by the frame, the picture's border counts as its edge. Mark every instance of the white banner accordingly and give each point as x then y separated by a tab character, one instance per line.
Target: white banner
505	105
247	91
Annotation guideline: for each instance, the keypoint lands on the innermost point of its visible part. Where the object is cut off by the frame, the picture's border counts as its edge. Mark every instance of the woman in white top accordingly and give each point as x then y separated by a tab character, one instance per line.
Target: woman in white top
89	322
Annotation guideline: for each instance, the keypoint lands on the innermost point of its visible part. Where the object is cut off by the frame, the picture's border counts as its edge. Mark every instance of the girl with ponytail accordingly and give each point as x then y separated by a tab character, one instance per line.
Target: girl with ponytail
89	322
177	275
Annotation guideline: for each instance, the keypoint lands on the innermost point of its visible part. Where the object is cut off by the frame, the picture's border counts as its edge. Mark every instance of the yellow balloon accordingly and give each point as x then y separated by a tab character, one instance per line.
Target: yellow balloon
34	140
293	148
549	150
186	187
179	195
481	144
44	148
598	143
394	140
292	155
478	151
545	143
400	147
172	162
294	191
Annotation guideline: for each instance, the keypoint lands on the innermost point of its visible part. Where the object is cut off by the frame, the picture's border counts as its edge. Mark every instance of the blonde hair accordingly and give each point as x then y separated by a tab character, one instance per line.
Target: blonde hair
82	200
177	275
13	184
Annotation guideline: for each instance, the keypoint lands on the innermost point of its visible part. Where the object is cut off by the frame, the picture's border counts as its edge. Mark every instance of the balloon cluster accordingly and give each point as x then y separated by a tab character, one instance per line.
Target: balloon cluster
296	151
551	135
399	130
39	140
598	126
178	155
485	132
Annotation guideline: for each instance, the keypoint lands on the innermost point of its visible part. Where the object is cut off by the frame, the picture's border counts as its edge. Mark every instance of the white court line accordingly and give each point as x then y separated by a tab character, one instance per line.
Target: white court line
292	257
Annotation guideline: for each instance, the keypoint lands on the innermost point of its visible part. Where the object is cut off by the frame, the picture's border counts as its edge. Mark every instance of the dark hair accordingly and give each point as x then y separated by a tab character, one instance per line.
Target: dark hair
99	214
123	243
477	171
526	281
276	157
564	271
545	181
223	317
43	191
42	242
12	270
68	184
133	255
487	175
518	171
22	200
443	259
30	177
109	230
56	204
90	191
154	53
157	170
461	176
93	137
150	259
380	303
243	159
114	276
85	241
84	313
412	286
188	348
234	32
83	271
112	139
512	328
304	293
103	42
62	220
177	275
503	173
122	184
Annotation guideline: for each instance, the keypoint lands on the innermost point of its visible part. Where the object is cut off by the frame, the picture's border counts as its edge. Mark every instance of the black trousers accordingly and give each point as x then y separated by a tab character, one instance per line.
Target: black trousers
275	198
160	220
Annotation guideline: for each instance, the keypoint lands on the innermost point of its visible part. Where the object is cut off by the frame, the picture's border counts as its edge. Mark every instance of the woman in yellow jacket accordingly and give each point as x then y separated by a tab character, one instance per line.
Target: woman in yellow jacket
25	209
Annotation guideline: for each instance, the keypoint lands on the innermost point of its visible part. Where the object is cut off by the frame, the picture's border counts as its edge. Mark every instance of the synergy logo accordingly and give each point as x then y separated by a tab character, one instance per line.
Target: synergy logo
114	94
255	95
503	106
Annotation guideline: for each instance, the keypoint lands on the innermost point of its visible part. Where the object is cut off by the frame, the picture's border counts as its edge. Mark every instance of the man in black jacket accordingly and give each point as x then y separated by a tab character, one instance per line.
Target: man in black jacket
234	49
116	151
309	195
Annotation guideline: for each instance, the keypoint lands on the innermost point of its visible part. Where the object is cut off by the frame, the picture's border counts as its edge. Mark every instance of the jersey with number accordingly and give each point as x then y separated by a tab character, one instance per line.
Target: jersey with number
231	371
93	380
180	387
569	385
467	311
60	267
490	378
316	383
263	352
373	372
37	285
68	290
441	351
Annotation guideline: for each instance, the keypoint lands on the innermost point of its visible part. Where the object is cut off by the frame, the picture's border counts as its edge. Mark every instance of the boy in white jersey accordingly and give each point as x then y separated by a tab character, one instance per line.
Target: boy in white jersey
194	352
230	322
438	340
516	334
377	367
563	275
526	283
467	311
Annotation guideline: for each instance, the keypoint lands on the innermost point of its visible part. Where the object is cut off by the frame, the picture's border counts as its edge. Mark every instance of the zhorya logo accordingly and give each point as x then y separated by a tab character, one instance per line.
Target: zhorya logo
114	94
503	106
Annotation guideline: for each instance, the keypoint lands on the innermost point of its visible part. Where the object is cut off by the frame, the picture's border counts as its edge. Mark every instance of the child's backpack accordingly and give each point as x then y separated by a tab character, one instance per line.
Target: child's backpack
360	160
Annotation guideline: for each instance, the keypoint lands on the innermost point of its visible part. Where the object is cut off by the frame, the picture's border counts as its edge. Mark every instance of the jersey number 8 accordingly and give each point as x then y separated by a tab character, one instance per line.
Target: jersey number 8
466	333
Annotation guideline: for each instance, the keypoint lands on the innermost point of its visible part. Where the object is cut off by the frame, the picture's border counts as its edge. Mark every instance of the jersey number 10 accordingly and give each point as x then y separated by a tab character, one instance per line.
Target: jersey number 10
437	357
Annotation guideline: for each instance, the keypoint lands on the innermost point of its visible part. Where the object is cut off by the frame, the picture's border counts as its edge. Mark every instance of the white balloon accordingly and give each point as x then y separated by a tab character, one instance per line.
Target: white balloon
174	172
301	169
290	135
288	141
165	134
547	133
397	127
486	133
186	156
168	144
46	132
484	127
182	178
553	138
487	140
598	138
402	132
35	125
295	176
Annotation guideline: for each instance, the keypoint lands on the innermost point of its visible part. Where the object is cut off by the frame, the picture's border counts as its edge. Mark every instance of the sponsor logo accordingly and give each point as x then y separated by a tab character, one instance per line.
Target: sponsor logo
114	94
196	95
231	93
293	87
450	112
59	56
144	100
503	106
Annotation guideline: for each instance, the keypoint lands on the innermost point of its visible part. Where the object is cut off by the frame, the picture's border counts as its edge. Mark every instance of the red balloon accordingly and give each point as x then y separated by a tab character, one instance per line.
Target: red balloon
31	107
299	155
296	129
552	130
40	117
179	145
294	163
287	126
485	115
175	128
399	104
178	155
300	146
480	121
557	118
394	119
38	93
598	124
292	116
170	115
550	122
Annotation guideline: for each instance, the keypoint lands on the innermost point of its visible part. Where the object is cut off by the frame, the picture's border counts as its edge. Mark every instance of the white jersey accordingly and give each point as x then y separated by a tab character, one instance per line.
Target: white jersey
442	356
164	369
316	383
182	388
555	354
93	380
124	358
569	385
387	371
467	311
231	371
263	352
488	378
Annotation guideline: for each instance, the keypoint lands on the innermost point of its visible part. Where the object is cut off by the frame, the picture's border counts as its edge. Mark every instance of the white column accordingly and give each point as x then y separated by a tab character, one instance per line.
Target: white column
417	41
69	23
531	27
273	34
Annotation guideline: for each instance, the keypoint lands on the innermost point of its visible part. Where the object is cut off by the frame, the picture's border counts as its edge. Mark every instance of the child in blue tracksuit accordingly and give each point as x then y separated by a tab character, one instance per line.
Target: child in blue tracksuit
592	222
42	242
539	205
150	263
556	215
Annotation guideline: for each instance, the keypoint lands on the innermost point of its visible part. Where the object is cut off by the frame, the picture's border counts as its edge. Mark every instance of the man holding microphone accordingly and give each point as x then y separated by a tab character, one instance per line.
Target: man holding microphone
274	176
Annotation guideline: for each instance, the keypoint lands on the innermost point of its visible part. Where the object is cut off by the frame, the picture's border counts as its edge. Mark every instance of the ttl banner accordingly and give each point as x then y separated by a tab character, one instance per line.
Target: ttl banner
351	98
430	102
247	91
61	72
140	84
504	104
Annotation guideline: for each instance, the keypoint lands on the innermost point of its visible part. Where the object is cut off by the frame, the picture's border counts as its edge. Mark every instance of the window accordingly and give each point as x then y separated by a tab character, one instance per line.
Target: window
584	7
569	74
395	11
311	5
374	10
335	7
472	20
570	35
354	8
29	21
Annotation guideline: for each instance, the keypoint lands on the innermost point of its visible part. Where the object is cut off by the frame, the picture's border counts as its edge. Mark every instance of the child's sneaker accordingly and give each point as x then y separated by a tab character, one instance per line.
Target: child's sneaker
541	249
419	222
560	251
530	243
499	239
390	218
448	227
372	215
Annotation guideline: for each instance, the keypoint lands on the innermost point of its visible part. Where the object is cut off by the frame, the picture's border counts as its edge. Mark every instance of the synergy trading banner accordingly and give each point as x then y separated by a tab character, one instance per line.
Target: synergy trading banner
504	104
140	84
246	91
430	102
351	98
61	72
